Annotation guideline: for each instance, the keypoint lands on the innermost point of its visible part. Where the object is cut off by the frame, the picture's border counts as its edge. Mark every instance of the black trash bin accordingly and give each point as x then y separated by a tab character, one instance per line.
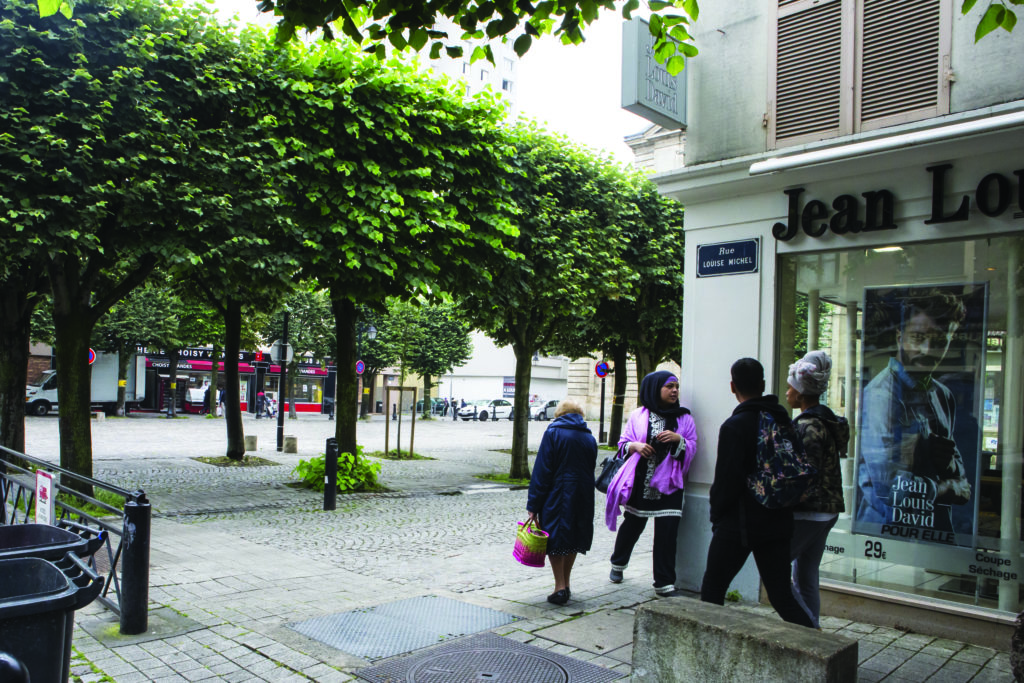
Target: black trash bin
47	542
38	600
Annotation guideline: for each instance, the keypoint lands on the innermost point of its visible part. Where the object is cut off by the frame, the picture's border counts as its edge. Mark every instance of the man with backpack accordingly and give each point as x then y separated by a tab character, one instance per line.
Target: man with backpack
749	511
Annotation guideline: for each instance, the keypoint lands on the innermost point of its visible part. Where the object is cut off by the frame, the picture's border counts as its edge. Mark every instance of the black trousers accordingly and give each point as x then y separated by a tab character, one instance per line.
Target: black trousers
666	534
726	556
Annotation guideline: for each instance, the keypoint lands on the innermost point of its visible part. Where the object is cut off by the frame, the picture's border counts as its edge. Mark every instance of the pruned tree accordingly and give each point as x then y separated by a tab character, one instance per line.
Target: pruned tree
571	245
98	165
396	187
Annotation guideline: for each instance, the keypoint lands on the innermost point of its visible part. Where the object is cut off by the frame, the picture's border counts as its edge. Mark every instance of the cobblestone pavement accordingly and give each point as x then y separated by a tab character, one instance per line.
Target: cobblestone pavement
238	554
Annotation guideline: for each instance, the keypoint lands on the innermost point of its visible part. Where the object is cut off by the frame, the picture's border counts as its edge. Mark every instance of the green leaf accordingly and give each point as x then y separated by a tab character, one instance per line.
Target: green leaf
992	19
418	38
522	44
1009	20
630	7
967	6
675	65
656	27
49	7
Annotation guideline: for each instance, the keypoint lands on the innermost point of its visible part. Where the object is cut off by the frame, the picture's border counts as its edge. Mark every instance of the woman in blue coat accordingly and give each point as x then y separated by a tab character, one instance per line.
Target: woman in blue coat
561	500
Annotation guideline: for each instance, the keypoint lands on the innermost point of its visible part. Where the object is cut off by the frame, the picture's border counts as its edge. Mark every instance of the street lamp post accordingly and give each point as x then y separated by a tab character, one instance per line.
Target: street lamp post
371	334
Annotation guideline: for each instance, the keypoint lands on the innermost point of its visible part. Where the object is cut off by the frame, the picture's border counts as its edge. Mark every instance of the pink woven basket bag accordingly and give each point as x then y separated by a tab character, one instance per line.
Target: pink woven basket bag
531	545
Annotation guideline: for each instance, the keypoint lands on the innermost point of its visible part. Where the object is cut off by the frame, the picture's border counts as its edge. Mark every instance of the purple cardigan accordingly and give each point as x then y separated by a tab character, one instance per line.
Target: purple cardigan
668	477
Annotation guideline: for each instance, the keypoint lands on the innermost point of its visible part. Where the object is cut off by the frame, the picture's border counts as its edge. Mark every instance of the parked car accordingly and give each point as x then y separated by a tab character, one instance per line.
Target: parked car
543	410
487	410
436	406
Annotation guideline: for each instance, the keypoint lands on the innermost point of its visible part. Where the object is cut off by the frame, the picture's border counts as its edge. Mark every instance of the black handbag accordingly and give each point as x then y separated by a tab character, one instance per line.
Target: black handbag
609	468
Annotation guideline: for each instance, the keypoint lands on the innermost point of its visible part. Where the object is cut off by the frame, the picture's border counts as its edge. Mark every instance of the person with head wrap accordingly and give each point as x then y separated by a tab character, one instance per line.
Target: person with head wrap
659	443
825	438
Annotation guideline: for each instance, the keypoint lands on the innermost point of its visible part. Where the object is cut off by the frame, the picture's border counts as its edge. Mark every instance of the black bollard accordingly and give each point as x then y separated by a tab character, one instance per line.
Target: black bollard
135	566
331	472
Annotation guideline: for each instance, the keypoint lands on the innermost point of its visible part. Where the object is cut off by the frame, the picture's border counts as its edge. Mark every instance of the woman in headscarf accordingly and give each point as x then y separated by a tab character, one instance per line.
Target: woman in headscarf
659	442
825	439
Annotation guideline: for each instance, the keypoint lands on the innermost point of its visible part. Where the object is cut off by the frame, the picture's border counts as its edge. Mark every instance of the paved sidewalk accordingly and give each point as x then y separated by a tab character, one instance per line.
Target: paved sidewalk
238	555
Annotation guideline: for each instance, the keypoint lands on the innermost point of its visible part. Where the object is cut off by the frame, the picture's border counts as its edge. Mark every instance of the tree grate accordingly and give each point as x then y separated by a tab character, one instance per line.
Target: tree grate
402	626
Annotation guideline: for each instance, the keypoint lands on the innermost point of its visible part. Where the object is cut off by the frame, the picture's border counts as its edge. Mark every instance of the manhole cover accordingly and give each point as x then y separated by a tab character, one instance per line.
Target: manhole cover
487	657
402	626
488	665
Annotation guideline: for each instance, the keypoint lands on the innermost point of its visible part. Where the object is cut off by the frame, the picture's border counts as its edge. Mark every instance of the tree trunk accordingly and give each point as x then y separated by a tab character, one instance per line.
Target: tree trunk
72	328
214	379
172	372
345	417
124	356
520	468
16	306
428	405
645	364
619	377
232	395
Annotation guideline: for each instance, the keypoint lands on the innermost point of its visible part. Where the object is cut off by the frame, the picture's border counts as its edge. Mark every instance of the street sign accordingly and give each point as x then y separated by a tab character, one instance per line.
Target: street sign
276	352
92	356
601	369
360	367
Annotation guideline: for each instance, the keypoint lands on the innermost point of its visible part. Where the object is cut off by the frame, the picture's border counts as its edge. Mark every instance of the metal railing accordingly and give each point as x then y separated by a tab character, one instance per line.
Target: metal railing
127	594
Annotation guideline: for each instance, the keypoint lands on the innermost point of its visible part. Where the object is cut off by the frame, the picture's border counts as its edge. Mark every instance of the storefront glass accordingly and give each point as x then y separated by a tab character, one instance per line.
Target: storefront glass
926	343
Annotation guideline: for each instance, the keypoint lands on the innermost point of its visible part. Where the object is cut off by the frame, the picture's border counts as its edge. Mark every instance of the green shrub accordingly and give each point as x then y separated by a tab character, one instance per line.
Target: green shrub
354	473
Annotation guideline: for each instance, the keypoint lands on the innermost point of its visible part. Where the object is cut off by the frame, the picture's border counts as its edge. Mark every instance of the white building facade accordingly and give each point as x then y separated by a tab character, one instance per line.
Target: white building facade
844	157
491	373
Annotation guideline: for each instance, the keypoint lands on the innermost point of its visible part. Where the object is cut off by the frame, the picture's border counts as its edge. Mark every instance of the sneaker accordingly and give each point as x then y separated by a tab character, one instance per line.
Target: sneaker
559	597
615	576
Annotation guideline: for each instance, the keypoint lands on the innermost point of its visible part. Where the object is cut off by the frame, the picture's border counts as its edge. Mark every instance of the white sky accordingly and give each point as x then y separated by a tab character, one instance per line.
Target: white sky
576	89
571	89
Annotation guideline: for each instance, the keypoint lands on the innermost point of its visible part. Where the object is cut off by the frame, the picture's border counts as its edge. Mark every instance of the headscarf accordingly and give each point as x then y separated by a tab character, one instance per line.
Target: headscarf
809	375
650	394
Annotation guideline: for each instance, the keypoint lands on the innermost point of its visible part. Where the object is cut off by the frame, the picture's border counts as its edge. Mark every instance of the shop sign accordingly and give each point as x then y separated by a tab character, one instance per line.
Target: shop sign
919	456
727	258
508	387
989	564
648	89
875	210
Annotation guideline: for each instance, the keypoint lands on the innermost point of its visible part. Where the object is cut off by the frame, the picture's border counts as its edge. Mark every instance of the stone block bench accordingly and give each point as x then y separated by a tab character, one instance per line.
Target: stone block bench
682	639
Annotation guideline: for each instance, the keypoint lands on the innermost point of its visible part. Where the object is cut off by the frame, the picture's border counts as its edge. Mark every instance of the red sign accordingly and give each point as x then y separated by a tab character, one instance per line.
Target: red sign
92	356
601	369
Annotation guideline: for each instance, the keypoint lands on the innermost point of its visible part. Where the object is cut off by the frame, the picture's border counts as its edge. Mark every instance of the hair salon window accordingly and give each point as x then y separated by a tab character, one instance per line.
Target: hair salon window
926	344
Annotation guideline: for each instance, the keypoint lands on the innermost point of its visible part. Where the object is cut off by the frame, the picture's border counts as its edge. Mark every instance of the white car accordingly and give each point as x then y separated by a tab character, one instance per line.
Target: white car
543	410
487	410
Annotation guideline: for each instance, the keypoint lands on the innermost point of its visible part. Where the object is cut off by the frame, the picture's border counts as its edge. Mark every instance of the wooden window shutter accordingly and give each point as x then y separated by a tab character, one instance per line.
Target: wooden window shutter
808	73
899	62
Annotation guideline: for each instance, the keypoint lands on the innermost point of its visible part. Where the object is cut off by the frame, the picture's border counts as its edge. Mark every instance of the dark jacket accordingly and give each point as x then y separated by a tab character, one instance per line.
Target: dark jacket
562	484
732	504
824	437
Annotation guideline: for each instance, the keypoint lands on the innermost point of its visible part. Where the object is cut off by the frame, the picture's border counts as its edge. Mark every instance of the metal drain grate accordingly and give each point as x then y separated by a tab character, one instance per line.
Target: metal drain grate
487	657
403	626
